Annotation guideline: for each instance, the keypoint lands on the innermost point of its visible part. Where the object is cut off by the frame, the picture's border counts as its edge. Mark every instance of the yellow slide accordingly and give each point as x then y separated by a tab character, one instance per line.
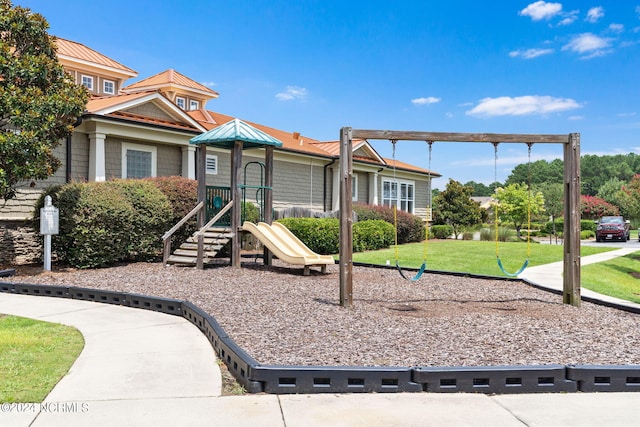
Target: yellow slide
286	246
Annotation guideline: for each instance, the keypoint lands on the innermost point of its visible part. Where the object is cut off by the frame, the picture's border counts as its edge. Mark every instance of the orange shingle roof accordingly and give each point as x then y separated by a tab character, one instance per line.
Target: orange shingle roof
78	51
290	141
171	78
296	142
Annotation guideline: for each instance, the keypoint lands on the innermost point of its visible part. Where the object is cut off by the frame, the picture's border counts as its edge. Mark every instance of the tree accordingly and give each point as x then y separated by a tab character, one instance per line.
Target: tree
609	190
39	101
479	189
537	172
592	207
516	204
629	198
553	194
455	207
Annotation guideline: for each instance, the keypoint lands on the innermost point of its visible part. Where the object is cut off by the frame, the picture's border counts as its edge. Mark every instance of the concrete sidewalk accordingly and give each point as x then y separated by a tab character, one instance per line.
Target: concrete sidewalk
550	276
134	371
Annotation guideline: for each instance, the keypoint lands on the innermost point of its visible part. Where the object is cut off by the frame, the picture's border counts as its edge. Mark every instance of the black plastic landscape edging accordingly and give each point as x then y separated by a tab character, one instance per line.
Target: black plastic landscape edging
282	379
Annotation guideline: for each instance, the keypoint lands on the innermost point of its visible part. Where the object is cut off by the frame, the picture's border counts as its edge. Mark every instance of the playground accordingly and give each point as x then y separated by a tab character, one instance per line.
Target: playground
282	317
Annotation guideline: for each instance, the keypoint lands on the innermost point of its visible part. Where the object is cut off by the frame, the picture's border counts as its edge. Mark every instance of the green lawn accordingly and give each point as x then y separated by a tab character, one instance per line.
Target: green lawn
34	356
471	256
619	277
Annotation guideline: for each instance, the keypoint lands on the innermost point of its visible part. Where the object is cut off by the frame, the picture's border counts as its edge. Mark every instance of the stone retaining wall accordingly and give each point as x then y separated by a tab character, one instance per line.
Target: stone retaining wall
19	243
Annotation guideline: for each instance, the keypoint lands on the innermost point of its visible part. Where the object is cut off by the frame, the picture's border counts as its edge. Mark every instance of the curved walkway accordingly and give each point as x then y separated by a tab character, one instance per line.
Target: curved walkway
550	276
143	368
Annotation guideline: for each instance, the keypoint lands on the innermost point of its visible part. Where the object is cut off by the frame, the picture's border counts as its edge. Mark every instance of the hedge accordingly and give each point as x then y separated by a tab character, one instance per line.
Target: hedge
102	223
410	227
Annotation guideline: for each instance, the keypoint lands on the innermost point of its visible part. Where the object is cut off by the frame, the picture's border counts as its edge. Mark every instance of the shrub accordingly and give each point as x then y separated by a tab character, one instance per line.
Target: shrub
152	217
250	212
593	207
588	225
487	234
321	235
372	235
467	235
96	224
182	194
102	223
587	234
441	231
506	234
410	227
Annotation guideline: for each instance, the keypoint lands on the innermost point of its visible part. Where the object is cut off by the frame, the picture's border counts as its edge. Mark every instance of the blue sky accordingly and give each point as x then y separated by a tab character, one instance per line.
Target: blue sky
444	66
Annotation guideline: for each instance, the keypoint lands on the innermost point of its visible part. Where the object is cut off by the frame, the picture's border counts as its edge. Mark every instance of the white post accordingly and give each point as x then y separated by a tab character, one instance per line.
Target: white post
48	225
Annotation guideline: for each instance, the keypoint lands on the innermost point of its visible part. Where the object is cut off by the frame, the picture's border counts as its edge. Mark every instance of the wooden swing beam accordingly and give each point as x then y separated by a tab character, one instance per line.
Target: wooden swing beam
571	142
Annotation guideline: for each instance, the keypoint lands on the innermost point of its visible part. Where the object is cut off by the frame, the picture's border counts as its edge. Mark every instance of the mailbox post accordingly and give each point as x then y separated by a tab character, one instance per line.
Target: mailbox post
49	221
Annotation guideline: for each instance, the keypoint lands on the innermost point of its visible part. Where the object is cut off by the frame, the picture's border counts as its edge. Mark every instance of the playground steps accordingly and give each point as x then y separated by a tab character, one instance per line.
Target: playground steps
215	238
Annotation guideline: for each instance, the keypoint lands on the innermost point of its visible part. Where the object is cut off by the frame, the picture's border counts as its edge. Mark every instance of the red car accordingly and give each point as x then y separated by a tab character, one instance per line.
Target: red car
613	227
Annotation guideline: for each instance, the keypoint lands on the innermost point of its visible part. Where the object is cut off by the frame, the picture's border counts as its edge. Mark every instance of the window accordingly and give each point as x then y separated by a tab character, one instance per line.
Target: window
354	188
87	81
109	87
212	165
138	161
181	102
194	105
399	193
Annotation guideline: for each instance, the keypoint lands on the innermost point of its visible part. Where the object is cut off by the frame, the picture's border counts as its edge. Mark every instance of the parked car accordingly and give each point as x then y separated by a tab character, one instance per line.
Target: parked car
613	227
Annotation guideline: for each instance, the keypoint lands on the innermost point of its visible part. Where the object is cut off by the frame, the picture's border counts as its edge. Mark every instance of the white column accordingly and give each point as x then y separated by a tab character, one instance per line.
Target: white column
189	162
373	188
97	169
335	202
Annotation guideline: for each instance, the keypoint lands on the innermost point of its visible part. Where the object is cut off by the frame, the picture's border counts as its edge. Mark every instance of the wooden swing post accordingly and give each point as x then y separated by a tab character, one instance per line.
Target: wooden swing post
571	142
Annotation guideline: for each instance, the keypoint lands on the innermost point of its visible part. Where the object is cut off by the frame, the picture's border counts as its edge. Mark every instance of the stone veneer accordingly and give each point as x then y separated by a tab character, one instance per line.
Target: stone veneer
19	243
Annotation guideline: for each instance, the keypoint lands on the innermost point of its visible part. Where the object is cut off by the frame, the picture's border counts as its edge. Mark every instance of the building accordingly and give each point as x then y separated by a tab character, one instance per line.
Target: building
144	128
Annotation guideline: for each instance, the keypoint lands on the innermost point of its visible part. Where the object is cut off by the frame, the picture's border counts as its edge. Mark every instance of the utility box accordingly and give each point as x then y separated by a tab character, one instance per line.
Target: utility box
49	218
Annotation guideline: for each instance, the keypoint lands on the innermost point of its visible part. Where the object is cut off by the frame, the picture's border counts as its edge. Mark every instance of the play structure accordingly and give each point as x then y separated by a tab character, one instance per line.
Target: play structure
219	209
571	151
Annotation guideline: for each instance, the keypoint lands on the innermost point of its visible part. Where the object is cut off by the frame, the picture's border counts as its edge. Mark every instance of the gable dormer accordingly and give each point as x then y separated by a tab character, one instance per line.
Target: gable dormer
101	75
186	93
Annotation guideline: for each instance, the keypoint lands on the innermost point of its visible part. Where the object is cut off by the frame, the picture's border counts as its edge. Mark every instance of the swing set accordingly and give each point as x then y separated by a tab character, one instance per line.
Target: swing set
571	145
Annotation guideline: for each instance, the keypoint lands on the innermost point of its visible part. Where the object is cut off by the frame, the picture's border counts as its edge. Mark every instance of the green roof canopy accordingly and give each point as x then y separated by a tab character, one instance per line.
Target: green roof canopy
236	130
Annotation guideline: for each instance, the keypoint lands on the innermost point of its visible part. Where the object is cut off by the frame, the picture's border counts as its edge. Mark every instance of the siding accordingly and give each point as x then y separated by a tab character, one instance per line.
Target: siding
113	158
150	110
169	160
294	184
80	156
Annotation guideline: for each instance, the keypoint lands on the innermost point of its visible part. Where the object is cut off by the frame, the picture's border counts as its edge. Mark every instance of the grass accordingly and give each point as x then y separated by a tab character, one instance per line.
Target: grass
34	356
471	256
619	277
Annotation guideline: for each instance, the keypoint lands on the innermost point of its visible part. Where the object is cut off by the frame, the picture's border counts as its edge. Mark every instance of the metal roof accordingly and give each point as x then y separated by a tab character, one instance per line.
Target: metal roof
236	130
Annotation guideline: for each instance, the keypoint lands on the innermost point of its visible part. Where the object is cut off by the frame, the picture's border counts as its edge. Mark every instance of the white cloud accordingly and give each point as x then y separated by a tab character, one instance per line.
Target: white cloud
631	114
521	105
541	10
589	44
616	28
292	93
424	101
594	14
530	53
575	118
569	17
209	84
